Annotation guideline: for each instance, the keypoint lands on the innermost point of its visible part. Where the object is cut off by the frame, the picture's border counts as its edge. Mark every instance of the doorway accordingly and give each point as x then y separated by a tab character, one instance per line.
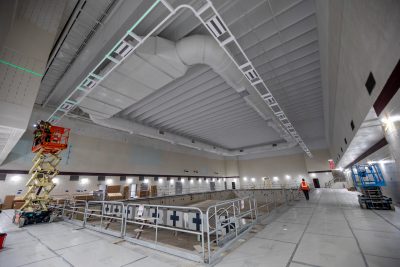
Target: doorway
316	183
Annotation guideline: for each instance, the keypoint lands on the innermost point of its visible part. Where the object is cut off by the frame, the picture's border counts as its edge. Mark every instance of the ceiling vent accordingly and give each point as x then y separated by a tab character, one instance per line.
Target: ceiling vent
244	93
216	26
89	83
123	49
252	76
67	105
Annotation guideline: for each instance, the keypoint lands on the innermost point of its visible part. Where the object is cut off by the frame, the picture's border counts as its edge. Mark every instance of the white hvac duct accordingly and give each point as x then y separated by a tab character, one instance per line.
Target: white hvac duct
203	49
192	50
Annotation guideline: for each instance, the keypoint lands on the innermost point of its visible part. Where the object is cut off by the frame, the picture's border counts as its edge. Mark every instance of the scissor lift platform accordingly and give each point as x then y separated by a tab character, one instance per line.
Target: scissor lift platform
368	180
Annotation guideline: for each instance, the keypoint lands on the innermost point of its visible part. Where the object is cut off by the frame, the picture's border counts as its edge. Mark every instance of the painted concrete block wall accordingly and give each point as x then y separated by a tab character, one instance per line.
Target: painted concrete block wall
364	37
319	161
288	169
280	167
89	154
15	185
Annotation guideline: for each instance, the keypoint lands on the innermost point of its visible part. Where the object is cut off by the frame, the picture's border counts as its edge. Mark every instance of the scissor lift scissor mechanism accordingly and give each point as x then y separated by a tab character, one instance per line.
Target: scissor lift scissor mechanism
47	146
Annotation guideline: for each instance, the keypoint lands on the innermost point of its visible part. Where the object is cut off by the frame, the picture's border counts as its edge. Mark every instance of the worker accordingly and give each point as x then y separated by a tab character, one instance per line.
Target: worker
45	128
305	188
37	135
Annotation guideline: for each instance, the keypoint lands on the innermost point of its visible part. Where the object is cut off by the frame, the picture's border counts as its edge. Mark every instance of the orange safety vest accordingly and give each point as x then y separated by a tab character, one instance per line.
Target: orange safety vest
304	185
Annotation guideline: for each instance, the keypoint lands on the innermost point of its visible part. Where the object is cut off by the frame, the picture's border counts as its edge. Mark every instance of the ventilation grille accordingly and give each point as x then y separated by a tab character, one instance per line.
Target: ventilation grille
122	178
101	178
2	176
216	27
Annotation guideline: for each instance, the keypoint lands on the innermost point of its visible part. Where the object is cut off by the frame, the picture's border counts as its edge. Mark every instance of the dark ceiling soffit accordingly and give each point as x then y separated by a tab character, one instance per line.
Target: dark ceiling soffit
381	143
389	90
118	174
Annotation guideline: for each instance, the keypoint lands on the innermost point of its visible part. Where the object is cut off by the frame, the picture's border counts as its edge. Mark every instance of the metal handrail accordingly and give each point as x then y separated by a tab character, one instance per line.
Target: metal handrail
157	226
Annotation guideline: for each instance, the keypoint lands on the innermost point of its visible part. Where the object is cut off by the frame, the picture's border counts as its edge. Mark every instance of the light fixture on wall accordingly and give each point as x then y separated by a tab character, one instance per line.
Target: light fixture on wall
109	181
171	181
224	179
245	178
213	179
183	180
129	180
234	179
199	181
55	180
15	178
85	181
313	175
275	179
160	180
191	181
287	177
207	181
389	120
146	181
253	179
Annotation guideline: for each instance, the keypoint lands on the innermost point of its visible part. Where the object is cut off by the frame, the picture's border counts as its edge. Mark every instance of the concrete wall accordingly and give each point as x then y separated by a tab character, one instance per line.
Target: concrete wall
288	170
15	185
391	167
363	37
95	154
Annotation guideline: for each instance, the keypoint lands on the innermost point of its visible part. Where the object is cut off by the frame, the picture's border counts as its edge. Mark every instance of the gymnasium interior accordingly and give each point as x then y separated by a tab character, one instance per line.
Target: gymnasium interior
199	133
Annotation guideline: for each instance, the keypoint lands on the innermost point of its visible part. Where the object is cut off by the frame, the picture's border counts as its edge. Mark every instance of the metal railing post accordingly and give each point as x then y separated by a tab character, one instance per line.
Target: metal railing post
85	213
156	238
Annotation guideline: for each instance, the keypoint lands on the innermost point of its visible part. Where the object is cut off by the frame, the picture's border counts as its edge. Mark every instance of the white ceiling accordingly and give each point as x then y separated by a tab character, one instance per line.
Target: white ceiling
280	38
201	105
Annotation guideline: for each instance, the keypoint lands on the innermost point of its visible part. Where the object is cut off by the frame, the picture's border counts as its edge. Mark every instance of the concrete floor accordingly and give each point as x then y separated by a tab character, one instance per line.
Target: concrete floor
329	230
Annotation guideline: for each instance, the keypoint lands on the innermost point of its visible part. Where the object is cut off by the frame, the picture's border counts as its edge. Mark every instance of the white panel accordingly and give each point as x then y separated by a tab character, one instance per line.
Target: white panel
95	105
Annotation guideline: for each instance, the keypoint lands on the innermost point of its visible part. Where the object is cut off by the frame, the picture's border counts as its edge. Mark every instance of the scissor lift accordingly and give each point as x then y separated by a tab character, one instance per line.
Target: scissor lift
368	179
47	147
